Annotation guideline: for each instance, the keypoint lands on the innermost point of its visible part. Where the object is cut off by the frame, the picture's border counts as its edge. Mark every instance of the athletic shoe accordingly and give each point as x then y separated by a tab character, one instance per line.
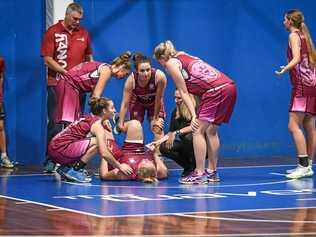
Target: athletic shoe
212	176
194	178
50	166
292	170
300	172
115	120
77	176
310	164
62	170
6	163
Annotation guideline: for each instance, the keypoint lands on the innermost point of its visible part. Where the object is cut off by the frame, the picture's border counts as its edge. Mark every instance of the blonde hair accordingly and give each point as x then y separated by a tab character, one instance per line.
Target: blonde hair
183	111
296	18
123	59
165	50
148	174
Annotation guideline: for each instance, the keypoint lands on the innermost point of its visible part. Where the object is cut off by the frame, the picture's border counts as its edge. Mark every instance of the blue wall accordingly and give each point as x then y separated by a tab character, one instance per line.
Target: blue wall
22	26
243	38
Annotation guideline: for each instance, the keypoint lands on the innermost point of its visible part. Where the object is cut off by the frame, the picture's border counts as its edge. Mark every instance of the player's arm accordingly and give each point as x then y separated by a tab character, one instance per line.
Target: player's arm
98	130
113	174
295	46
127	93
161	81
105	75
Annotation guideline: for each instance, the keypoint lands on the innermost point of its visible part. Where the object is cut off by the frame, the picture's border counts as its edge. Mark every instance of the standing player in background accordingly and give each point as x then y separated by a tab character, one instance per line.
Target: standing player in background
65	45
217	94
5	162
143	92
86	77
302	67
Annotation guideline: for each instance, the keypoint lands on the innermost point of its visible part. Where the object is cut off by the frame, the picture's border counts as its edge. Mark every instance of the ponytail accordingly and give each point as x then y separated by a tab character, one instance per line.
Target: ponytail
310	46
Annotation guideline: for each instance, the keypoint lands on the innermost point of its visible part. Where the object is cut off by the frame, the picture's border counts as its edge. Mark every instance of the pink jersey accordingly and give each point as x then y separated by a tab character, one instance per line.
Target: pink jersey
145	95
199	76
131	154
303	78
84	76
76	131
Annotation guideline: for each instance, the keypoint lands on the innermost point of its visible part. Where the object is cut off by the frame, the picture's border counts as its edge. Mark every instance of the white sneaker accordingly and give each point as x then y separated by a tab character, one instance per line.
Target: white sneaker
292	170
6	163
300	172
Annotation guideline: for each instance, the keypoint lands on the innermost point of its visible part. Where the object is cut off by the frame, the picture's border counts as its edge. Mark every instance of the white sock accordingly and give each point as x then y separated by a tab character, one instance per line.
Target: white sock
3	155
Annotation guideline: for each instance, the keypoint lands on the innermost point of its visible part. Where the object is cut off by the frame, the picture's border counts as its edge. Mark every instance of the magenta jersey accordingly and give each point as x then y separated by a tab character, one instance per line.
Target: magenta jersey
145	95
199	76
75	131
131	154
303	78
84	76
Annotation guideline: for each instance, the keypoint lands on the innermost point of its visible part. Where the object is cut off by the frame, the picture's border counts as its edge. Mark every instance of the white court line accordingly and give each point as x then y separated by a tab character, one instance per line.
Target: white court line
144	214
180	186
280	174
51	206
306	199
244	219
25	175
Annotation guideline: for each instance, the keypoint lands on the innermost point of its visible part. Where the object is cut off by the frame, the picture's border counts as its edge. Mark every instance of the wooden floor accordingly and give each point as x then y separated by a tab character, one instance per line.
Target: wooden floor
22	218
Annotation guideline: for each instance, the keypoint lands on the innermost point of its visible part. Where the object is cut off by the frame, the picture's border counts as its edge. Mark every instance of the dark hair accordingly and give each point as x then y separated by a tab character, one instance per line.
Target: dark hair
139	58
123	59
98	104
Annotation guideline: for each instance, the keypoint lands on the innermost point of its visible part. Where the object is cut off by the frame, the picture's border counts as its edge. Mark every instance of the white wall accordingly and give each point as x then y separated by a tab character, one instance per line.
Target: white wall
55	10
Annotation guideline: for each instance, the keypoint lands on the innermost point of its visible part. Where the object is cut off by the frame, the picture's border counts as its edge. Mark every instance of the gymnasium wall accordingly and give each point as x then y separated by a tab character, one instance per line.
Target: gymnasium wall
22	24
243	38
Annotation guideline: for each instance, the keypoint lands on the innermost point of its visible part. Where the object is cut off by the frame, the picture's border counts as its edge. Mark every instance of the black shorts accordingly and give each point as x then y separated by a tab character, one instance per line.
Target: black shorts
2	114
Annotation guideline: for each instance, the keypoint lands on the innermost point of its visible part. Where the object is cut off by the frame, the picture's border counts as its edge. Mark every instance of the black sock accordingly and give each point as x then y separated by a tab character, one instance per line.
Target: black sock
78	165
303	161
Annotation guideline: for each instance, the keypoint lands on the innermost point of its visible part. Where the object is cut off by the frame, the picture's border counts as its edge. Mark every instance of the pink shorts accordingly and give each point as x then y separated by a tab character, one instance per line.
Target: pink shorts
137	111
306	104
67	153
217	106
68	102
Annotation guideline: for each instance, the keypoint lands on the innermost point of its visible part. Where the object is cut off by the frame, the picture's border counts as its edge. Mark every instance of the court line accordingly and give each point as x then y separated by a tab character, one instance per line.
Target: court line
144	214
25	175
244	219
180	186
51	206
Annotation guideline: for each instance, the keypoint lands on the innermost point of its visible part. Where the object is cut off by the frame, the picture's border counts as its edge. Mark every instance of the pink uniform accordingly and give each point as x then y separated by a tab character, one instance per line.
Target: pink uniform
303	80
143	99
2	67
72	143
67	49
131	154
81	78
217	91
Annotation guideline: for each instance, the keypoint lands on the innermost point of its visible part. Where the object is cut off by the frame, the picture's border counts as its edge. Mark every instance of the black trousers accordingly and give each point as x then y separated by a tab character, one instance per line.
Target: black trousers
181	152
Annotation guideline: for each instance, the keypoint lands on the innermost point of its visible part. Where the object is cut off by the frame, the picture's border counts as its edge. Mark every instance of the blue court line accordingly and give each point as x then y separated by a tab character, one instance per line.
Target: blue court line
130	198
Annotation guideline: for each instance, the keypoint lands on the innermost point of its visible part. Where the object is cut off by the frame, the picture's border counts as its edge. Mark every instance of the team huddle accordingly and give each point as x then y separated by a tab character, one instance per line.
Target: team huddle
205	98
